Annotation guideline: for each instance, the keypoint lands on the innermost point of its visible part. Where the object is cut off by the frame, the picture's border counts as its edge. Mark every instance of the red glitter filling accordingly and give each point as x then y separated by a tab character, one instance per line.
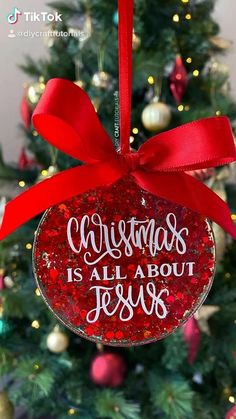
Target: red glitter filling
149	281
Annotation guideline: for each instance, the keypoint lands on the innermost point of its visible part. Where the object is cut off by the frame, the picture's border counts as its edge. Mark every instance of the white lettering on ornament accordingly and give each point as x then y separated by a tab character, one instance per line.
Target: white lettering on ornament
126	304
116	272
132	233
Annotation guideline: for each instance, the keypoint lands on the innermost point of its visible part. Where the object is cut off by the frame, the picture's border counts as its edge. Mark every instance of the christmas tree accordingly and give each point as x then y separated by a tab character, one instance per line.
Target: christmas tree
48	370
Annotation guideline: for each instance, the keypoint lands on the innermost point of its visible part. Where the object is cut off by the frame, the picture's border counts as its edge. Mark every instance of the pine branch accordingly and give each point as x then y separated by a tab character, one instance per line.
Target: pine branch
112	404
35	379
171	395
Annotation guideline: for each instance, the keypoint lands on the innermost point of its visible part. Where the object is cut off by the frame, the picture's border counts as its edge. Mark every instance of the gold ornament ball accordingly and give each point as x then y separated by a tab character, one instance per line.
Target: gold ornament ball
6	406
156	116
57	341
219	233
220	240
79	83
221	43
47	173
35	91
136	42
96	101
101	79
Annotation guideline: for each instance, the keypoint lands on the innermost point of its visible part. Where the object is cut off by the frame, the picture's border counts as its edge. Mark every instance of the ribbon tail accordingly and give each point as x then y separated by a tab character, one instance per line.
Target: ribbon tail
58	188
189	192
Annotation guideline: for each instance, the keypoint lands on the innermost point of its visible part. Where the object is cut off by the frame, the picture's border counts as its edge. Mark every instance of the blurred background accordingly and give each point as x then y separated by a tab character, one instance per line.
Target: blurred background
184	57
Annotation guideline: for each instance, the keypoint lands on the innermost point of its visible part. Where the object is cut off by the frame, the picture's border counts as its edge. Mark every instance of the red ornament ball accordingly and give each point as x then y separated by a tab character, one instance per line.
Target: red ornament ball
108	369
192	337
120	266
231	414
26	113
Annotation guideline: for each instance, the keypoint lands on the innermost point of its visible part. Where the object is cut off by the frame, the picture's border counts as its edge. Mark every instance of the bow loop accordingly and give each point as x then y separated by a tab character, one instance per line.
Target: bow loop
199	144
66	118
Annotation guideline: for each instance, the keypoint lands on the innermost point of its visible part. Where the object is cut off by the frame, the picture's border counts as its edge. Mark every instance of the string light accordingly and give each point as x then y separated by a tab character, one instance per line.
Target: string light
187	108
131	139
21	183
44	172
196	73
28	246
189	60
37	292
135	131
151	80
185	1
35	133
233	216
231	399
71	412
175	18
188	16
35	324
180	108
218	113
227	275
36	367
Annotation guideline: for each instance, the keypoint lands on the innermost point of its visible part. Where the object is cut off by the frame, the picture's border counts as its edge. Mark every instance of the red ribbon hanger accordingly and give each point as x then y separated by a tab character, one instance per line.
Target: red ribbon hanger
66	118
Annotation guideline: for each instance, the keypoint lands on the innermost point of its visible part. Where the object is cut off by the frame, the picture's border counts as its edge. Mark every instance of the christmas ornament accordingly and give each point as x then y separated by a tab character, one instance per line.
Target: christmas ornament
2	284
231	414
202	174
178	80
80	25
6	406
100	269
47	173
198	378
8	282
96	101
101	79
220	240
80	83
23	160
35	91
2	207
125	255
5	326
192	337
216	67
220	42
136	42
219	233
57	341
156	116
116	18
26	112
219	73
203	315
108	369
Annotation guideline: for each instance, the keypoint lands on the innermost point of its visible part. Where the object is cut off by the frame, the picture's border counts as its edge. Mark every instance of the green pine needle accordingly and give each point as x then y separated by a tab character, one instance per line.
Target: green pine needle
112	404
171	395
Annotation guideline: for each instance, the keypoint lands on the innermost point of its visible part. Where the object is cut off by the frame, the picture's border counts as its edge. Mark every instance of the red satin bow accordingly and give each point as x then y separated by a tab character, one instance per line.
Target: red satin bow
66	118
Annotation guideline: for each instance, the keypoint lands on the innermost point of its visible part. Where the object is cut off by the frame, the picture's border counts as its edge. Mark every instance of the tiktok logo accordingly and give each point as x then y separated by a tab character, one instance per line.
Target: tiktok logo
13	18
